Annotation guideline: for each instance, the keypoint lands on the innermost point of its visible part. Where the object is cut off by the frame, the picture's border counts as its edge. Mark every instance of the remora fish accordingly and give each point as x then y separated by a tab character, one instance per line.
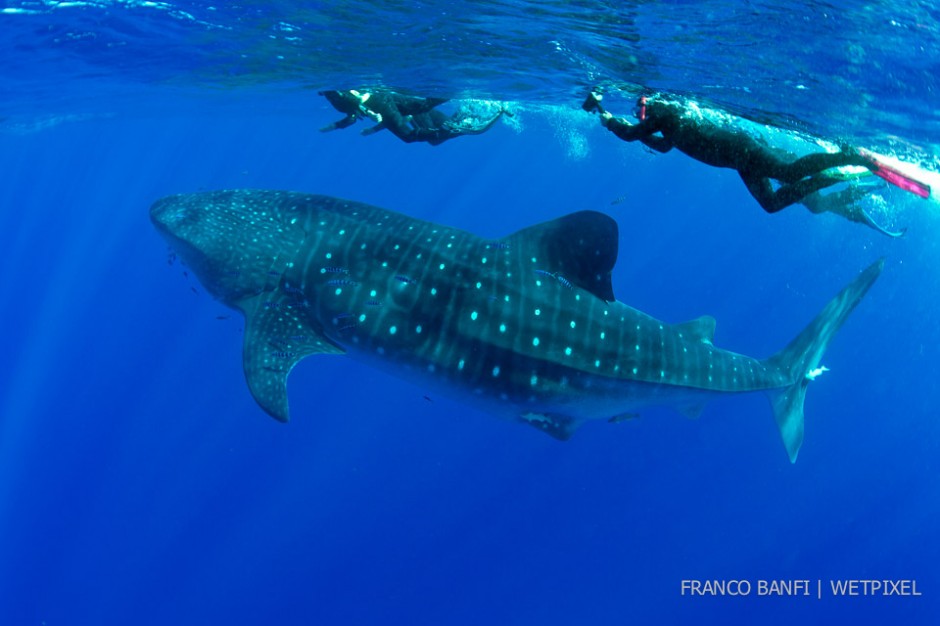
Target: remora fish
473	319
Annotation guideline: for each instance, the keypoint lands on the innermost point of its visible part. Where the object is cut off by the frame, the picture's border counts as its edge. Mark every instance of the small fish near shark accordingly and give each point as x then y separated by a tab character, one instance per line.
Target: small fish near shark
526	326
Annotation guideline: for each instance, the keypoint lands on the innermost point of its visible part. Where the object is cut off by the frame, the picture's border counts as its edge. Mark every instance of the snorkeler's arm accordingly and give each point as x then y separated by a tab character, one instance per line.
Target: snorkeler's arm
346	122
659	144
627	131
373	129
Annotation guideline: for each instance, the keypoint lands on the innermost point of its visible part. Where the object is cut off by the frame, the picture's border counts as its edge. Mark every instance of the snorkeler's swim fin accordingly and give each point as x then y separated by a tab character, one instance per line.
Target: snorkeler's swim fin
846	203
895	176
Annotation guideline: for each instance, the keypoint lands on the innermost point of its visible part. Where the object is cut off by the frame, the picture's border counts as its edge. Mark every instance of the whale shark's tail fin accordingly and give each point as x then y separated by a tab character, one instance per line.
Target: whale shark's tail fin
799	361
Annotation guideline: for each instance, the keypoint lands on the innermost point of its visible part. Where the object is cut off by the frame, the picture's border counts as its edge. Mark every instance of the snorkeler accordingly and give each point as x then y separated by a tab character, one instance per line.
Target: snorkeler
410	118
667	124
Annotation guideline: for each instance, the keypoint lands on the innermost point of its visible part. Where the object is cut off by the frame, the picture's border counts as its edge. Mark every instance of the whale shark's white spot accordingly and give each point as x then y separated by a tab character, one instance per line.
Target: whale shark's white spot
418	329
338	291
373	293
441	266
538	311
573	324
483	260
603	335
433	291
568	351
392	330
460	364
502	328
479	285
473	315
329	255
535	341
362	318
597	363
496	371
534	380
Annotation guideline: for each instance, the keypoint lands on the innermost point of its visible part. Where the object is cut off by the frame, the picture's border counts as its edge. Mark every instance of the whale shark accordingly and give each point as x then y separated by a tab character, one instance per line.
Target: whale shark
525	326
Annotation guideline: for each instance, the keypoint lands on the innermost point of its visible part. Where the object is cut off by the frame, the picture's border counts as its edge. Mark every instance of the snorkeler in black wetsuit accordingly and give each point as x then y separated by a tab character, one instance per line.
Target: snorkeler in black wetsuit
410	118
664	125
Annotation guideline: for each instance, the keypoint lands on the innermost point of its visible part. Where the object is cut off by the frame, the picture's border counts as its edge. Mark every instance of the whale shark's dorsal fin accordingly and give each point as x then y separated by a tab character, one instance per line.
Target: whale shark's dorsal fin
580	247
700	329
273	347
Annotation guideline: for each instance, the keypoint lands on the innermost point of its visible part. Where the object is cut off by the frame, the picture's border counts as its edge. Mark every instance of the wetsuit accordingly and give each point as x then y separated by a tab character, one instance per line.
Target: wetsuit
410	118
721	146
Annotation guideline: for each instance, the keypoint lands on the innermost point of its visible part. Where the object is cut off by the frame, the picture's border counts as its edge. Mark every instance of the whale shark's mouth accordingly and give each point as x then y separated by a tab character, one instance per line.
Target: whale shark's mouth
168	213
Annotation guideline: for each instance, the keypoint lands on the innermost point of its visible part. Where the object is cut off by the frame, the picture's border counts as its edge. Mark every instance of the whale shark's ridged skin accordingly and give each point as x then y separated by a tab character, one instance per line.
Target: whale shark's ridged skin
526	325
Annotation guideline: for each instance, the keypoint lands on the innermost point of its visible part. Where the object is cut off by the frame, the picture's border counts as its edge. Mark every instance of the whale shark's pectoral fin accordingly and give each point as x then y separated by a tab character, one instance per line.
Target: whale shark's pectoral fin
700	329
560	427
623	417
277	337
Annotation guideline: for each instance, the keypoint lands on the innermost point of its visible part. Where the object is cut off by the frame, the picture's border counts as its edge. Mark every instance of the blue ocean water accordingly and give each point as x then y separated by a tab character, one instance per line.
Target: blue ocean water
139	481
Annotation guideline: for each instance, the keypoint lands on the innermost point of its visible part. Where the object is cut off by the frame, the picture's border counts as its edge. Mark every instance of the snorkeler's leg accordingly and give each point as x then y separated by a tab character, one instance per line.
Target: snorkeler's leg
764	193
785	195
817	162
